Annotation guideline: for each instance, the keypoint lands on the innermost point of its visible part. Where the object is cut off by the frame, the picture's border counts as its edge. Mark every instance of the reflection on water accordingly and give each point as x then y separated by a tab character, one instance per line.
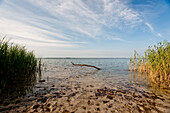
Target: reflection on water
143	80
112	69
18	87
55	69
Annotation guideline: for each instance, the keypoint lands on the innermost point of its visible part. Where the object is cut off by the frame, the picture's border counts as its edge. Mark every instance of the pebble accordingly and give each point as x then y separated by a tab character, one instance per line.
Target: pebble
109	97
36	106
43	100
105	102
41	80
110	105
99	100
98	109
141	108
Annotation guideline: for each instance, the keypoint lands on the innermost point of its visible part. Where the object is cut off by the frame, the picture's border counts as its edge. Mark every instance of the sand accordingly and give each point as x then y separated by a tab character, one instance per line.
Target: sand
84	93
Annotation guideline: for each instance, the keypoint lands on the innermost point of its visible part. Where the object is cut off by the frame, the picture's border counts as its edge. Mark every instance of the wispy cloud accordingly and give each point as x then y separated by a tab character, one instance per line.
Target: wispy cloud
150	27
92	14
152	30
90	17
114	38
60	21
159	34
68	23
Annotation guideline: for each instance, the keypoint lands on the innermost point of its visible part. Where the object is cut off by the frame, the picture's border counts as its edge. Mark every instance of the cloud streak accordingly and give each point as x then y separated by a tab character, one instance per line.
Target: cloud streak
79	16
152	30
91	14
56	20
150	27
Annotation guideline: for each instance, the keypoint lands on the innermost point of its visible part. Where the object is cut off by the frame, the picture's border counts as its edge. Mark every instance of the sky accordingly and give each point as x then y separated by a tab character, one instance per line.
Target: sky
85	28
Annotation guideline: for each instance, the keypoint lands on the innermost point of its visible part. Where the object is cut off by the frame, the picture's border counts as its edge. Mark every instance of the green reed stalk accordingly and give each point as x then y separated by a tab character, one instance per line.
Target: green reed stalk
17	66
156	63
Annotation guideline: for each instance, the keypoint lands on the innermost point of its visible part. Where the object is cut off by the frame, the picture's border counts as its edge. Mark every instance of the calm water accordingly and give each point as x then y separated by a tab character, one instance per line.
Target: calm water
131	90
112	65
114	70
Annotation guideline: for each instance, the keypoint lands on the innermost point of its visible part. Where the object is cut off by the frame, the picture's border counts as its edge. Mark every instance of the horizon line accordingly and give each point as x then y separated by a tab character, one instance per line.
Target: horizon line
83	57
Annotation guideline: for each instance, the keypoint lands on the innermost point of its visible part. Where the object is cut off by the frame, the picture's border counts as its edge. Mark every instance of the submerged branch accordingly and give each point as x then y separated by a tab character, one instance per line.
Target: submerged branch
86	65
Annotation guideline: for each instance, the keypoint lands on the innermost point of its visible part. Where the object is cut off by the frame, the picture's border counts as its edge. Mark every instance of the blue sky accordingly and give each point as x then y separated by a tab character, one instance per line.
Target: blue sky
85	28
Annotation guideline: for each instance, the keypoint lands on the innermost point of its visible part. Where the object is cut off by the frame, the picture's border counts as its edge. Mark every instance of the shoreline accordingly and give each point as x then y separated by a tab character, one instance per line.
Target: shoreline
88	94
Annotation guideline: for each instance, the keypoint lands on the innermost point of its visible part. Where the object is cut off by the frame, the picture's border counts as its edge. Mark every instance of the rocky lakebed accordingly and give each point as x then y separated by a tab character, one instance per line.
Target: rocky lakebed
73	91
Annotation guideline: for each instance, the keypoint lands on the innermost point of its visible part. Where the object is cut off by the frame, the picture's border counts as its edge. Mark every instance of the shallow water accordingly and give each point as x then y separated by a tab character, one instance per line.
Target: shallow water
114	74
112	68
112	89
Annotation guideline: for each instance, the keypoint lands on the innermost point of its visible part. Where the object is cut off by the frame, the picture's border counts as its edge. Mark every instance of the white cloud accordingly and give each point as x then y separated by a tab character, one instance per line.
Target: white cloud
159	34
66	23
113	38
150	27
11	27
152	30
85	16
30	43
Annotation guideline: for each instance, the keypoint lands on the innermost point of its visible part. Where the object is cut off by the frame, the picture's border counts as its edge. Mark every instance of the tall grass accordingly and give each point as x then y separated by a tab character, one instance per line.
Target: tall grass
156	63
17	67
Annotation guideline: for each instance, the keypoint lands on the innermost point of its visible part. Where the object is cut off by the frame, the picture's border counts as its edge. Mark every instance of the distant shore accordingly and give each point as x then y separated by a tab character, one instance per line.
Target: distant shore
84	58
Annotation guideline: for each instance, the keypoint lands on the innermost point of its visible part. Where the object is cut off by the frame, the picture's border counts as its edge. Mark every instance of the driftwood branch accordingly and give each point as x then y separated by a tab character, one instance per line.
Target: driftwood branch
86	65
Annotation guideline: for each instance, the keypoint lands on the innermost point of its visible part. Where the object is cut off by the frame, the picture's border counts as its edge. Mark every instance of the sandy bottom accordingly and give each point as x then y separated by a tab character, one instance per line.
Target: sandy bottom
89	94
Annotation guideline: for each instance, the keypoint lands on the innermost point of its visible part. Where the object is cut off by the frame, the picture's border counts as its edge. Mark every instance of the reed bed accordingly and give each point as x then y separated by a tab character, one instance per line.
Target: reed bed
17	68
155	63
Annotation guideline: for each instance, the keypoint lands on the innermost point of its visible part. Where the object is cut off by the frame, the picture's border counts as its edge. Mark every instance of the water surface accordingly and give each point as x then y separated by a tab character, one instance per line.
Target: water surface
74	88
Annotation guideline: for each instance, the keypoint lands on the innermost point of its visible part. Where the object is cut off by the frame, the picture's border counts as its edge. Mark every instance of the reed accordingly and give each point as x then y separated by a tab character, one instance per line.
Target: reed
156	63
17	66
